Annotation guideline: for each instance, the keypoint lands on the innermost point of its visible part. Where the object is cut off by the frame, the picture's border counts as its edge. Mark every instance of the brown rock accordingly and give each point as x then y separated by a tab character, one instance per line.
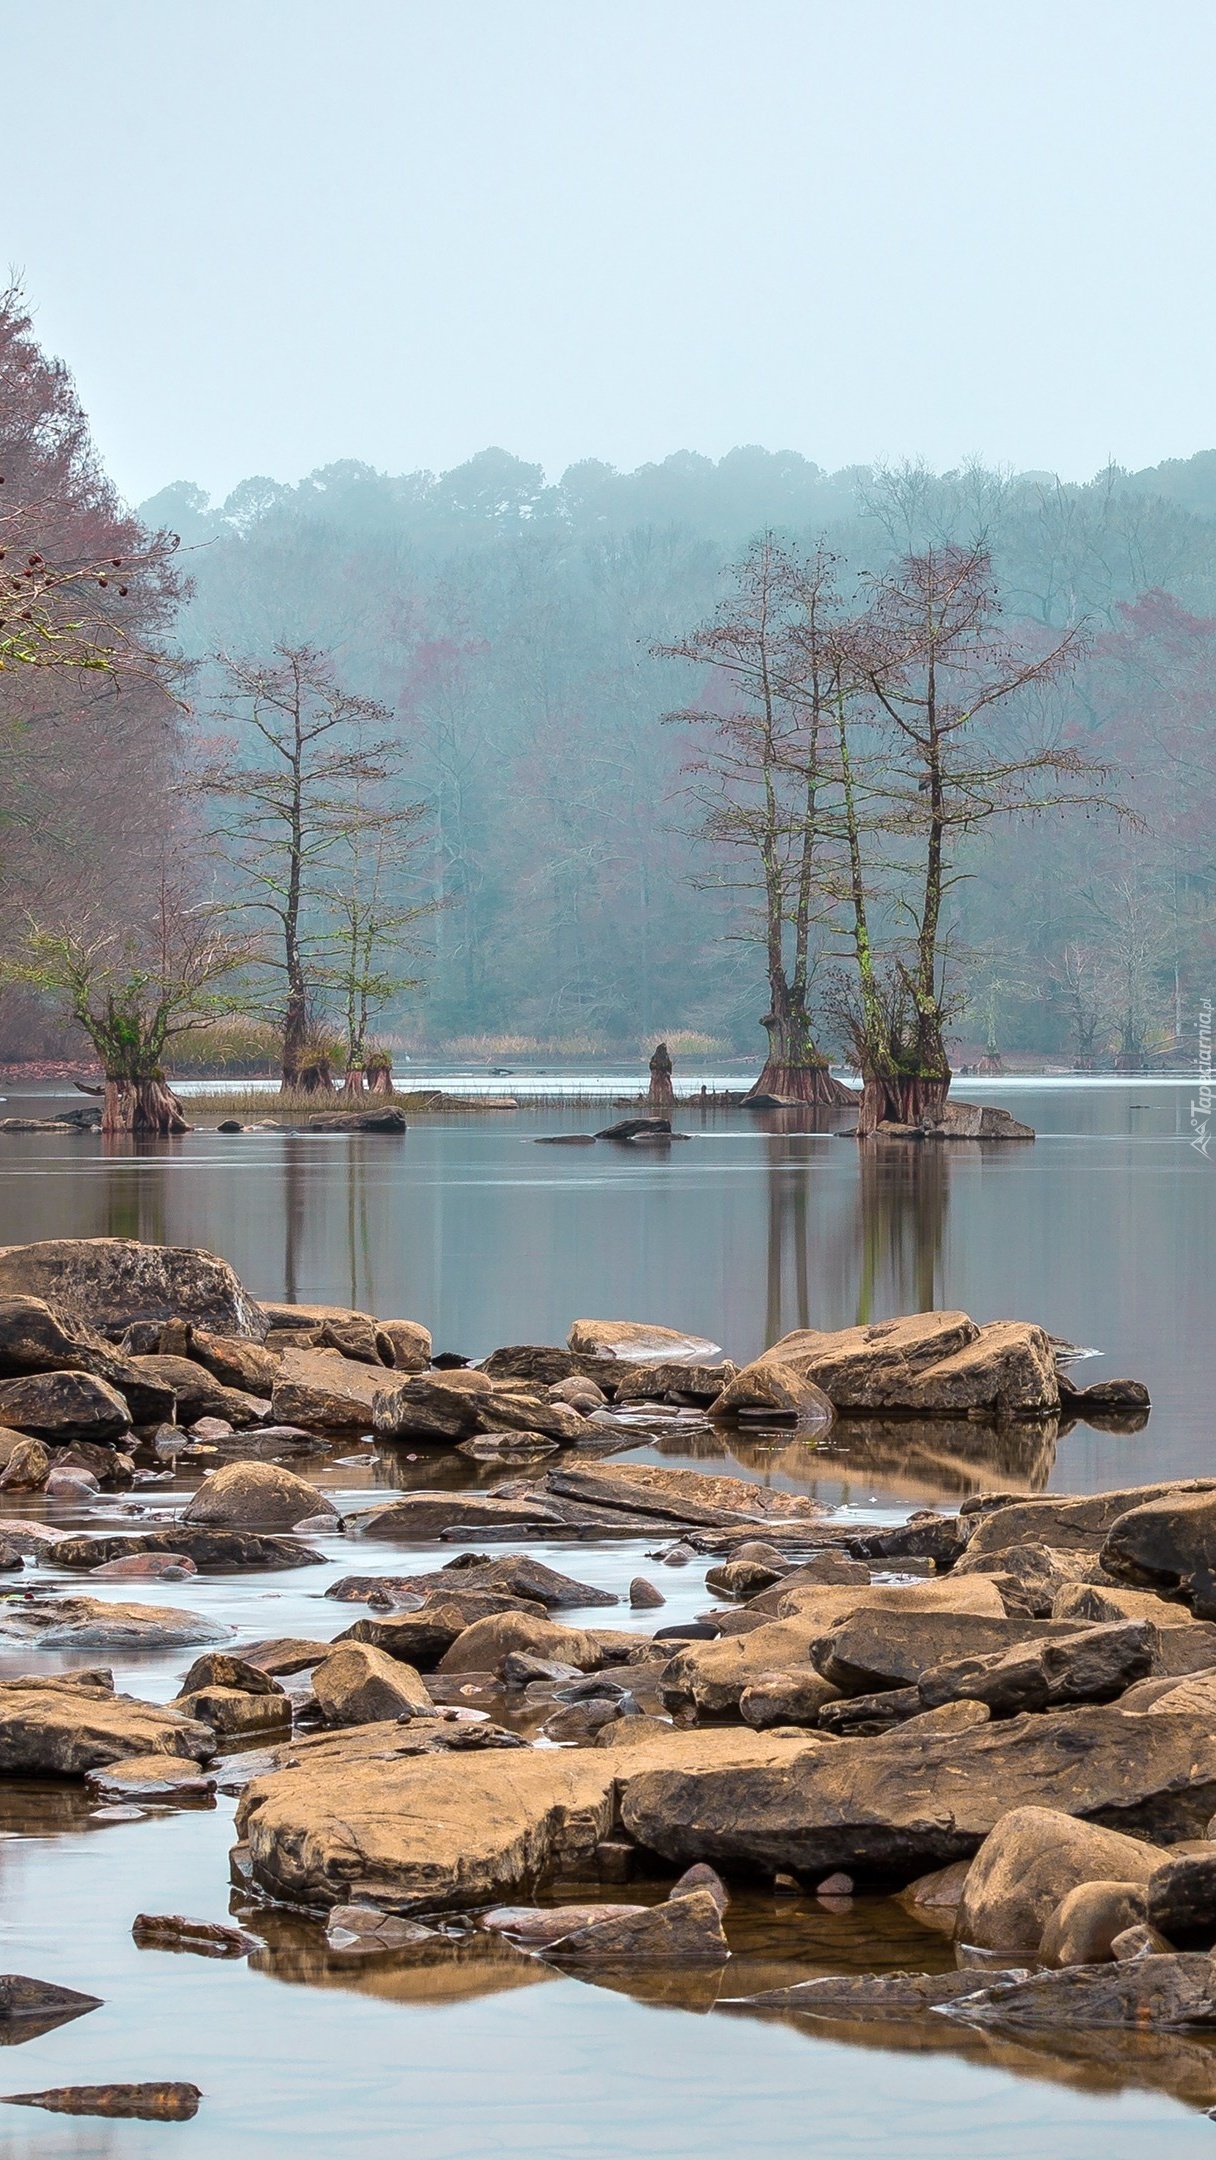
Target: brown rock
1095	1665
1181	1900
158	1778
409	1343
232	1711
326	1392
235	1362
1140	1993
484	1646
878	1805
358	1684
1032	1859
873	1647
197	1393
792	1697
683	1496
1160	1543
512	1411
206	1938
140	2103
214	1552
256	1496
1088	1921
687	1928
693	1385
280	1655
1094	1602
420	1515
934	1899
223	1668
64	1406
55	1730
147	1567
638	1340
433	1406
62	1623
426	1832
862	1368
27	1468
107	1283
1064	1523
643	1596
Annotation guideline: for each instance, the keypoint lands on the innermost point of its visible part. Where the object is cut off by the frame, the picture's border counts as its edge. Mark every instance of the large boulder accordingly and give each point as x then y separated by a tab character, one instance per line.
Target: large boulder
64	1406
485	1646
432	1406
872	1648
515	1577
1097	1601
769	1388
794	1696
1163	1542
234	1362
1032	1859
358	1685
408	1342
51	1728
325	1392
512	1410
1095	1665
107	1283
912	1799
257	1496
936	1364
640	1341
416	1638
1004	1520
197	1392
672	1380
865	1368
417	1832
712	1676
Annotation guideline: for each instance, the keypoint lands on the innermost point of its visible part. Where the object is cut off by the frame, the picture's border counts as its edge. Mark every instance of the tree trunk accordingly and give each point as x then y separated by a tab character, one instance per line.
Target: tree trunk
141	1106
353	1083
662	1094
903	1099
794	1071
380	1080
295	1038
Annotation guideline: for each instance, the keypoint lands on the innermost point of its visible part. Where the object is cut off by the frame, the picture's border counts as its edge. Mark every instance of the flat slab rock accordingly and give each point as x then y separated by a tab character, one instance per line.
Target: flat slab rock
910	1800
214	1552
682	1496
159	1778
931	1363
434	1831
1171	1992
103	1623
49	1729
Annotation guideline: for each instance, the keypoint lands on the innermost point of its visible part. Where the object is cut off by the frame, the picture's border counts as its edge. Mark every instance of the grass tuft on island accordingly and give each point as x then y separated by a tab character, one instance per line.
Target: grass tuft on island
270	1106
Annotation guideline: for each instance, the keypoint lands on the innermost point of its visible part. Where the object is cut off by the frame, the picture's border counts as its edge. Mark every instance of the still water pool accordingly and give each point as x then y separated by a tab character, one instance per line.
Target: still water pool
1103	1231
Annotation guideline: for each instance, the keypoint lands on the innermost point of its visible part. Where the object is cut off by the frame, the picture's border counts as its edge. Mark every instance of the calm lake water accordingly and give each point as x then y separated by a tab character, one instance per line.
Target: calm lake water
1103	1231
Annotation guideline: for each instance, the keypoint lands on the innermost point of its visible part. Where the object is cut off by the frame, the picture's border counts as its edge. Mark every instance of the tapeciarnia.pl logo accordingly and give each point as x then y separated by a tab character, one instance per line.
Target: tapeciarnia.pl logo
1201	1107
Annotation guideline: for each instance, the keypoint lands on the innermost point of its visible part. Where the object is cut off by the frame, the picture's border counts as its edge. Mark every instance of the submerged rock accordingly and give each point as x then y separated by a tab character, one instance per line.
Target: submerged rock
1171	1992
161	1779
101	1623
688	1927
139	2103
205	1938
36	2006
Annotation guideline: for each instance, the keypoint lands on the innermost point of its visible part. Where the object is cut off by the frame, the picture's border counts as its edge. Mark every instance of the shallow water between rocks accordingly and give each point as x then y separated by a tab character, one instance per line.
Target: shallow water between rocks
1103	1231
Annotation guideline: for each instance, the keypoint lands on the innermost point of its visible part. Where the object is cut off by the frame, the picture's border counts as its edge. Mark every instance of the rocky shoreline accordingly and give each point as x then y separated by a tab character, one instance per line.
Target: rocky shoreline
1004	1717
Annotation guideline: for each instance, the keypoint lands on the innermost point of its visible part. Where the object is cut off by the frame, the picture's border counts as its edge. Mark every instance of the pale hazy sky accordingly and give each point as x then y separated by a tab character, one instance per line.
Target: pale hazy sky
270	233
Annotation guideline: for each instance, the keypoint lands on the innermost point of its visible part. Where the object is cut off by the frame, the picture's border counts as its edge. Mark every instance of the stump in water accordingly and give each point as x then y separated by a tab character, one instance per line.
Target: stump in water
903	1099
811	1082
380	1073
315	1076
353	1083
141	1106
662	1094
